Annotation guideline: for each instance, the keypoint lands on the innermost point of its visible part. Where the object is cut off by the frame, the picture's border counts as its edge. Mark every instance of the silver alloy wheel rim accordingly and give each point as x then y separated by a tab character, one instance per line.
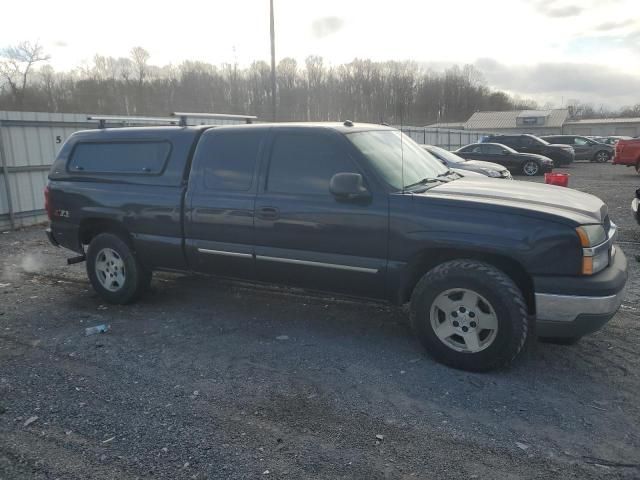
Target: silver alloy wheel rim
531	168
463	320
602	157
110	269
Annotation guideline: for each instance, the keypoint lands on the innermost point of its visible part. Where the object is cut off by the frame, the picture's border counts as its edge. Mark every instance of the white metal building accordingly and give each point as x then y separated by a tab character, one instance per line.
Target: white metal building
536	122
545	122
603	127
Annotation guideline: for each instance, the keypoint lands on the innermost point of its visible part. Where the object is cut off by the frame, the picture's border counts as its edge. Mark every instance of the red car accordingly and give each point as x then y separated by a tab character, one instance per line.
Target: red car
628	153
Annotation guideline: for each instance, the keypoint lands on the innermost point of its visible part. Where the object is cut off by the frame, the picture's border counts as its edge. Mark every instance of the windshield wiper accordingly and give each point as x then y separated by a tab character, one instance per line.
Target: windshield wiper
424	181
446	174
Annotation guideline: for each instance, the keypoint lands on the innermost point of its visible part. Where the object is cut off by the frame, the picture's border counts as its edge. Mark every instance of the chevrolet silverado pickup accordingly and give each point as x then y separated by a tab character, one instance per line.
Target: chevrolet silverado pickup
356	209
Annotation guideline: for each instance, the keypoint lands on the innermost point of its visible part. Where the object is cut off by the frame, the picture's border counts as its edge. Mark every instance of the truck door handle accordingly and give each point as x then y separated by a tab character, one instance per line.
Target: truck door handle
268	213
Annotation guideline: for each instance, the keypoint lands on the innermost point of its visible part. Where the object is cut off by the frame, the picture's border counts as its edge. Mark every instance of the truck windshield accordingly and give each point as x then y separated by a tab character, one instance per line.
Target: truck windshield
400	164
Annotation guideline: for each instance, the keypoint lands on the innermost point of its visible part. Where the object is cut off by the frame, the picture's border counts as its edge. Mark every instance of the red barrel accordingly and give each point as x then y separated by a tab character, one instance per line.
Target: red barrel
560	179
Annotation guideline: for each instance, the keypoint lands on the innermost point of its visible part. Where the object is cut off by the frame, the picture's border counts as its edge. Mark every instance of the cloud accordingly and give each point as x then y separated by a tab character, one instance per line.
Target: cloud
606	26
60	44
594	83
633	40
557	8
326	26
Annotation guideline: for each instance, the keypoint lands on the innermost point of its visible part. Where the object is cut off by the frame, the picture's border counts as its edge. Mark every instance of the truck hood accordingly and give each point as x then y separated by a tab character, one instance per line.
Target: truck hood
534	198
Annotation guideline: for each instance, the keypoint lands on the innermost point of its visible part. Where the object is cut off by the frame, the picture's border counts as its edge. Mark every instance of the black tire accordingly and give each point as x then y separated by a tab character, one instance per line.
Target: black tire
602	156
531	168
136	277
497	288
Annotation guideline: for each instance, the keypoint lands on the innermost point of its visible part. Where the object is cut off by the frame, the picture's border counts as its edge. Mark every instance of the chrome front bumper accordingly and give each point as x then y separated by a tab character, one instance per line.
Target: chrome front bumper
575	309
567	308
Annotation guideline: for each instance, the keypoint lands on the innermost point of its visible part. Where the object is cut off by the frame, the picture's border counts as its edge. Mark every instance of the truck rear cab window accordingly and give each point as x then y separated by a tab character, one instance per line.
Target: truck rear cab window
229	159
120	157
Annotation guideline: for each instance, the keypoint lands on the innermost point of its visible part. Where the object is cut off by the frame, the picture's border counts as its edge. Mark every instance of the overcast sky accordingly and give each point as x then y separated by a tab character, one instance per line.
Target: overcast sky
550	50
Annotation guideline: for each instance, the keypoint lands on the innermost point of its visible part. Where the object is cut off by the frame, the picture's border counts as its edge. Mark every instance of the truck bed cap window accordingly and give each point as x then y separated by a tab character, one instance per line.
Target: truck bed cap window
120	157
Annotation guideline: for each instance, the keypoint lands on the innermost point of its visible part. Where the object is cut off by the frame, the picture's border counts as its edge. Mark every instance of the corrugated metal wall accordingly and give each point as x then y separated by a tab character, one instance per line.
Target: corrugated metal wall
29	142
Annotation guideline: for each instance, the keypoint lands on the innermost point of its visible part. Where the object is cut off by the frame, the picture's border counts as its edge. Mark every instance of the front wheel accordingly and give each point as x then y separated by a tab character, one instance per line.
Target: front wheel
469	315
531	168
602	156
114	271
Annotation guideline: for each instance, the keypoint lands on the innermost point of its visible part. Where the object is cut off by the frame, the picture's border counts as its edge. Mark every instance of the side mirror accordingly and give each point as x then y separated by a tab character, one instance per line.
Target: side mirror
348	186
506	152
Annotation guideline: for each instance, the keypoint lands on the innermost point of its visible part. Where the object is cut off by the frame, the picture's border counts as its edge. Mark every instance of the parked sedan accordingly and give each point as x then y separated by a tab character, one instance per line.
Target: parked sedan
529	164
462	166
585	148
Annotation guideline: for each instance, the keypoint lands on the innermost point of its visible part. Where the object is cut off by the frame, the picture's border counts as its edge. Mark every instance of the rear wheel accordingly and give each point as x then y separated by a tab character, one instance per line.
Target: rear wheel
602	156
114	271
469	315
531	168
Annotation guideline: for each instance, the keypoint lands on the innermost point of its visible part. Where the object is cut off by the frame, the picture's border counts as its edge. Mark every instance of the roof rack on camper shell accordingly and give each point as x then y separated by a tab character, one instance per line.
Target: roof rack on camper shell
176	118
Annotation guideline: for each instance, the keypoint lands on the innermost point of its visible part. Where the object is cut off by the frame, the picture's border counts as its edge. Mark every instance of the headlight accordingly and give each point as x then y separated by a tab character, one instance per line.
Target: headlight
595	250
591	235
491	173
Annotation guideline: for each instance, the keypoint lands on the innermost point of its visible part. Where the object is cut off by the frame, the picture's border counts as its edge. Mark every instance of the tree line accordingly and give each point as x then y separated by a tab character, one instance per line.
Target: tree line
363	90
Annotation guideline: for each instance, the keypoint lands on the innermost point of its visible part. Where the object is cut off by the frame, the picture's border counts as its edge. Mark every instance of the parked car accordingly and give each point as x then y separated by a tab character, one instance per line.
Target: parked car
350	208
527	164
584	148
635	206
611	140
467	173
628	153
462	165
525	143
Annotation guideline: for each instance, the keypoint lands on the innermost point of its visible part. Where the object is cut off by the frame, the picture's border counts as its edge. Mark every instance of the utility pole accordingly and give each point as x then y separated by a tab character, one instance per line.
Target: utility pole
273	66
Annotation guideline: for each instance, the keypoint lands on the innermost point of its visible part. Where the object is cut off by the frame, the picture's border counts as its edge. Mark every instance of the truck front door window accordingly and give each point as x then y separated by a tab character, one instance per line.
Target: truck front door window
304	164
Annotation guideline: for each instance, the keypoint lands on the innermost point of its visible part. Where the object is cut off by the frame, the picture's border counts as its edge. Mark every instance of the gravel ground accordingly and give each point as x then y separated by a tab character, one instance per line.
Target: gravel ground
211	379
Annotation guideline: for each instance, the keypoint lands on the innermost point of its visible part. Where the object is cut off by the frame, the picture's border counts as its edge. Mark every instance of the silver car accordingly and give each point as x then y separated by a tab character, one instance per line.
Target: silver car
455	162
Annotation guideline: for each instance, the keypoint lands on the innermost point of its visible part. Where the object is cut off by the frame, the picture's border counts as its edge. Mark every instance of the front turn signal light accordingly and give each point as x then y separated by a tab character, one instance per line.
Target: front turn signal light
587	265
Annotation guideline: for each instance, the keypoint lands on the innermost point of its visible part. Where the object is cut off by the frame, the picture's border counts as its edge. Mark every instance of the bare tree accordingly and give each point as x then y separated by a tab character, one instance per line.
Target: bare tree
361	90
140	59
16	63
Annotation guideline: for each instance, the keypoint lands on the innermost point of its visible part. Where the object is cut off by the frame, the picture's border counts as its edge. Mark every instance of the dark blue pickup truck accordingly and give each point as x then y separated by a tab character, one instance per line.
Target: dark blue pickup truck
350	208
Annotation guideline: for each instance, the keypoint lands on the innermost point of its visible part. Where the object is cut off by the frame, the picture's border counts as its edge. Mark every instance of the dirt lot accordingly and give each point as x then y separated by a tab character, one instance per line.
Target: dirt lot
210	379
